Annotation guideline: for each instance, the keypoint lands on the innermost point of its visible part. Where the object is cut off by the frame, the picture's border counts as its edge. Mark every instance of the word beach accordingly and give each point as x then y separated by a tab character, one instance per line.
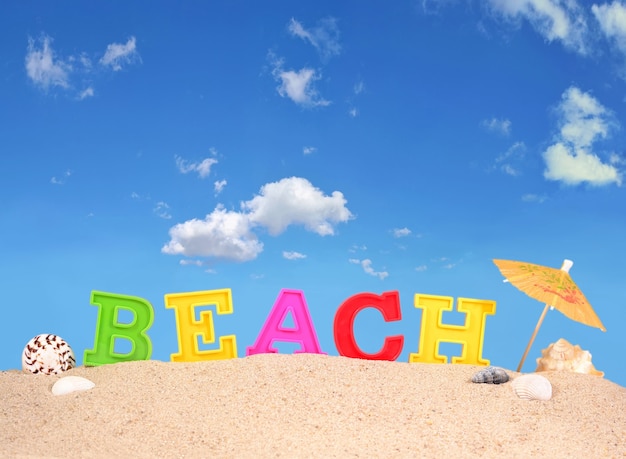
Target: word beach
189	329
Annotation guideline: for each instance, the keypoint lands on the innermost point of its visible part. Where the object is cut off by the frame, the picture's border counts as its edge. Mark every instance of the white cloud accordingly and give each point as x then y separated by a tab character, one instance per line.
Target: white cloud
187	262
219	185
293	255
421	268
561	20
88	92
296	201
530	197
359	87
574	167
502	126
570	159
509	161
299	86
367	267
612	20
61	180
222	234
117	54
324	36
162	210
47	70
401	232
43	68
229	234
353	112
308	150
203	168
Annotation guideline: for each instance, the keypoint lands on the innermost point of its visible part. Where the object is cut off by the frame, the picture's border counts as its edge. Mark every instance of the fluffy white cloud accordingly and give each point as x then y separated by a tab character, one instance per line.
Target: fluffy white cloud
324	36
308	150
497	125
299	86
570	159
229	234
203	168
367	267
219	186
47	70
42	66
401	232
295	201
553	19
222	234
576	166
293	255
117	54
612	19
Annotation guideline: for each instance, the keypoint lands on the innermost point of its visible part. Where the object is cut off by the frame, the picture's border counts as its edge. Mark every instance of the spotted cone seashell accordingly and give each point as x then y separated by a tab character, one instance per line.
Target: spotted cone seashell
69	384
563	356
491	375
47	354
532	387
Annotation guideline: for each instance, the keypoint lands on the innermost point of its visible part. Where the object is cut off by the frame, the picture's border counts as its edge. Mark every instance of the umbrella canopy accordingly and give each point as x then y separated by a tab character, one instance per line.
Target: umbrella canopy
551	286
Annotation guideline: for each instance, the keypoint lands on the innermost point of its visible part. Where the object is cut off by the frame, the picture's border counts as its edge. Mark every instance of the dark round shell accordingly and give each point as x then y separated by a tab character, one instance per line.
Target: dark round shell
491	375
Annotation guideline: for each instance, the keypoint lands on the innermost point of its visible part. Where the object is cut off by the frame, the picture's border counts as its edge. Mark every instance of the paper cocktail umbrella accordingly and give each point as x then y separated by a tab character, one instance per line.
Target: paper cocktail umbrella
551	286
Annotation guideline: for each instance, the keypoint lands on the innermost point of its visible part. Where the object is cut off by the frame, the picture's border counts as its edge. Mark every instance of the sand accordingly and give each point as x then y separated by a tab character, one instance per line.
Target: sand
306	405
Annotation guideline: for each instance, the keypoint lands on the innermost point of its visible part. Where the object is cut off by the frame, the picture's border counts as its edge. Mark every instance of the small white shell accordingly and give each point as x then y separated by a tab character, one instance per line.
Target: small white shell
69	384
532	387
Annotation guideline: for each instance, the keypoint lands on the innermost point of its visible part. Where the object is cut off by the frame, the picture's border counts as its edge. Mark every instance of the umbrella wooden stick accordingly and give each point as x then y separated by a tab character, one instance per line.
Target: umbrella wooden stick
532	338
567	264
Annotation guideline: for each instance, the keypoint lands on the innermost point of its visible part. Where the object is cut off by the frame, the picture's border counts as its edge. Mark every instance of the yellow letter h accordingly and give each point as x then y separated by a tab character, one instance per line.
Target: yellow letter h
434	331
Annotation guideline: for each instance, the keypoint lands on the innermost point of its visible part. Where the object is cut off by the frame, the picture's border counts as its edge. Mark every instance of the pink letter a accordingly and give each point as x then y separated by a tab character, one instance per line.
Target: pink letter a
303	331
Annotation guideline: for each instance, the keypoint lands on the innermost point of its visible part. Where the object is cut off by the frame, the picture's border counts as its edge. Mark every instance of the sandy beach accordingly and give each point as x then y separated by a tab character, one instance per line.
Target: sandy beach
306	405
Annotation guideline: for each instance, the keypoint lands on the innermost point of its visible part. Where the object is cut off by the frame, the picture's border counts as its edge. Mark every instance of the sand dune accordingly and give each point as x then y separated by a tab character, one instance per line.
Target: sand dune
306	405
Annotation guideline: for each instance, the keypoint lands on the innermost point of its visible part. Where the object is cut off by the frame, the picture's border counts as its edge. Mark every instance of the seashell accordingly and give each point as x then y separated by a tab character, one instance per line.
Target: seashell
563	356
47	354
491	375
532	387
69	384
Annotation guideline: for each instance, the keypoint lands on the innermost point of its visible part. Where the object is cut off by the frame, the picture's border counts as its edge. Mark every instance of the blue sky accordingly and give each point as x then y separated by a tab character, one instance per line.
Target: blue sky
329	147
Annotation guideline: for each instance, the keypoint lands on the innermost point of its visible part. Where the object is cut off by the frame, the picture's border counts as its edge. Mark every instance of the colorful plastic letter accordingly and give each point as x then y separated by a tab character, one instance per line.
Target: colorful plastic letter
434	331
108	328
189	329
303	332
388	304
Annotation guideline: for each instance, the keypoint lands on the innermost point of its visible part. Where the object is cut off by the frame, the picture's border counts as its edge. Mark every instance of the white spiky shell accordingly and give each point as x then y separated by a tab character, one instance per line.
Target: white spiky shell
532	387
563	356
69	384
47	354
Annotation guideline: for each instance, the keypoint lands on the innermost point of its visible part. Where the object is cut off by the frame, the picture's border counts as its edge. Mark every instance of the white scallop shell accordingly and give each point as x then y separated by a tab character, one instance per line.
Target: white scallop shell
47	354
532	387
69	384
